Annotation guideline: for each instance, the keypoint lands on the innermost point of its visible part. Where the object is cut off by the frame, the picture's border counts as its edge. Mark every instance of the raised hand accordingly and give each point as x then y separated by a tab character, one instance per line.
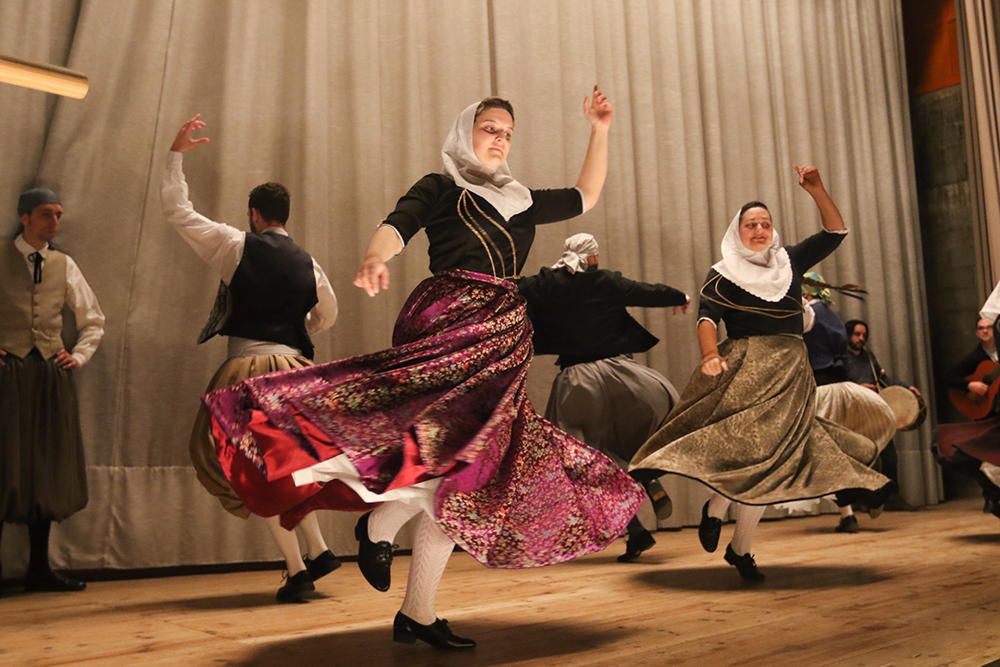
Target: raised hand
809	178
184	142
598	109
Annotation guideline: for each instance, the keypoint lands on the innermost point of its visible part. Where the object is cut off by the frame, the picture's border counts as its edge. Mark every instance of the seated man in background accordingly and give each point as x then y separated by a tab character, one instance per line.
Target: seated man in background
863	367
974	448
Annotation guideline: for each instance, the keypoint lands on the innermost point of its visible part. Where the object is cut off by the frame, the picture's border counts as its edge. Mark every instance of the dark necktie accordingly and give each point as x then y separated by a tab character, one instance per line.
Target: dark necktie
36	257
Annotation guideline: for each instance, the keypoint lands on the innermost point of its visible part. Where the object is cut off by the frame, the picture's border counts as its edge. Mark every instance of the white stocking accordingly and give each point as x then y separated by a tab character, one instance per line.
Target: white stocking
309	529
747	518
846	511
287	543
386	520
717	506
431	550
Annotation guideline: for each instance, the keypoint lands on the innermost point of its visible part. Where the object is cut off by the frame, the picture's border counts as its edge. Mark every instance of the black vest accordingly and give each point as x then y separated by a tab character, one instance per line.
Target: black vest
271	293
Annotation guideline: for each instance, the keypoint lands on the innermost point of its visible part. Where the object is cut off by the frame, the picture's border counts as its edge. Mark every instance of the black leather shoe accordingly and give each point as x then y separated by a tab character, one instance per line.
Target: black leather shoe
322	565
662	505
47	580
374	558
635	545
709	530
296	587
407	631
848	524
745	565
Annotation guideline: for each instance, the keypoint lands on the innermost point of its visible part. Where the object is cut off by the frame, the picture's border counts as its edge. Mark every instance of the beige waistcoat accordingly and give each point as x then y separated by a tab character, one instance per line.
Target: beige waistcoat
31	315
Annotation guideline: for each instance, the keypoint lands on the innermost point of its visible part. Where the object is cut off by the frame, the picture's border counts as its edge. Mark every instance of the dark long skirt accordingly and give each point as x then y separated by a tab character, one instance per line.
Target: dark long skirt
447	401
978	440
613	405
42	469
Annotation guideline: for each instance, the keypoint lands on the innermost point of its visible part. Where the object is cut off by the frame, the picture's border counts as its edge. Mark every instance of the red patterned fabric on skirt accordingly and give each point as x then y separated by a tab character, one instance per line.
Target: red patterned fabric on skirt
447	401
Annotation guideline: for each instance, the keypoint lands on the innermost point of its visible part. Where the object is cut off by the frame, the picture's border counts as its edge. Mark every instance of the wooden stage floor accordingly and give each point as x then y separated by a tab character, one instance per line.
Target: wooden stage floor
917	588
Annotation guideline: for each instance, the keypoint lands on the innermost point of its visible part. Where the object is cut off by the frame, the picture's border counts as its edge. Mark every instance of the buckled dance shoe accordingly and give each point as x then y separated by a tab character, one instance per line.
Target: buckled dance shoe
709	530
322	565
745	565
374	558
407	631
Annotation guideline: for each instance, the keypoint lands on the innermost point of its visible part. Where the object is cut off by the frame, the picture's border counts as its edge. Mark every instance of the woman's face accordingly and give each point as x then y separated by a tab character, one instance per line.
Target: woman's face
755	229
491	135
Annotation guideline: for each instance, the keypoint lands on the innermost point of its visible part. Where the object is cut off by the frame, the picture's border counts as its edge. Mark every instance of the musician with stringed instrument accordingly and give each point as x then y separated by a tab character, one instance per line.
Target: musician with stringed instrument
974	448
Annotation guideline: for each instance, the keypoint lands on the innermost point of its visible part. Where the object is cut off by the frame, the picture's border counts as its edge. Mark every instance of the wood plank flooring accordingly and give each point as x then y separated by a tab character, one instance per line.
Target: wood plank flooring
919	588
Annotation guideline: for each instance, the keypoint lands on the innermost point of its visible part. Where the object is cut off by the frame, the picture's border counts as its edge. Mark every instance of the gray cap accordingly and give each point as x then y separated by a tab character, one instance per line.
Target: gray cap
29	199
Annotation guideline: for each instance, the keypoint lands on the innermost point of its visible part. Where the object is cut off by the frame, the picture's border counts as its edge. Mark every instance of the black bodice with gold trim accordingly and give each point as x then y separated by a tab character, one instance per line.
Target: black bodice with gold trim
466	232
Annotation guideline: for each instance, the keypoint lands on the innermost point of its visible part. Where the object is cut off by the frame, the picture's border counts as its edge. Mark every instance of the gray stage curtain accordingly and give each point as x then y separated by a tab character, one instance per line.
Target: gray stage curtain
346	102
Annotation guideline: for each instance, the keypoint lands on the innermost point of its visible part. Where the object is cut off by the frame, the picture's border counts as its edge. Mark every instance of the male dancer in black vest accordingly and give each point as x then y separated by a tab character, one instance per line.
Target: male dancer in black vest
272	297
601	395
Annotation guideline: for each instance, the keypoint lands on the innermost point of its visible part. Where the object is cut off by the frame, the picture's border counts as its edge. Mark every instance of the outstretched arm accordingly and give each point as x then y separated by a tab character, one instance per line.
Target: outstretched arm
595	163
373	274
829	214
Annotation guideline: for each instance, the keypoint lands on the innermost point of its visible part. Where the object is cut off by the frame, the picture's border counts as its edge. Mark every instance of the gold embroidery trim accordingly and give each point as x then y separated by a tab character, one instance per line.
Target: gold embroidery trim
513	249
478	233
773	313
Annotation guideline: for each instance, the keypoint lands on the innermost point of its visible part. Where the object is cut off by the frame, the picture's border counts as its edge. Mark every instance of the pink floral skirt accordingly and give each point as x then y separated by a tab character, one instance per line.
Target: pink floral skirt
447	401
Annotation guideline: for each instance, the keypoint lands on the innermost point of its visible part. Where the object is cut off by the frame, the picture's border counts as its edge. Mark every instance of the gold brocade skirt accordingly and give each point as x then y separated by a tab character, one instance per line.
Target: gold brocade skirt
201	445
752	434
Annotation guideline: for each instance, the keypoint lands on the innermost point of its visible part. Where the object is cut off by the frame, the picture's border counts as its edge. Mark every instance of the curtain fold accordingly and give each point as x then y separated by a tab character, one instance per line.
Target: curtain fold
979	34
347	103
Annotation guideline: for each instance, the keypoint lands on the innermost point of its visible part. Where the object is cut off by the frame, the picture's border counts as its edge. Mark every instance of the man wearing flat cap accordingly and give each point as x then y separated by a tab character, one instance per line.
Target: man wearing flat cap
42	473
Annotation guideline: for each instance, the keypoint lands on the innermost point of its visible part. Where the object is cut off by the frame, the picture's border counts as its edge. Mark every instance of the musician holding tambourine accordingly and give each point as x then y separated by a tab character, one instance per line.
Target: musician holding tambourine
974	448
907	404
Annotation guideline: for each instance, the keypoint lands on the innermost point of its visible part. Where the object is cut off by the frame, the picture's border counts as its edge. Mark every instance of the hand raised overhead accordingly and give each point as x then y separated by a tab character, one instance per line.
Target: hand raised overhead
184	142
809	178
598	110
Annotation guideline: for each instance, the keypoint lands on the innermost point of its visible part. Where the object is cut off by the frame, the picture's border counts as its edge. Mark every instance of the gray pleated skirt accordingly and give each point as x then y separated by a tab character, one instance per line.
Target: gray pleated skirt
42	470
612	404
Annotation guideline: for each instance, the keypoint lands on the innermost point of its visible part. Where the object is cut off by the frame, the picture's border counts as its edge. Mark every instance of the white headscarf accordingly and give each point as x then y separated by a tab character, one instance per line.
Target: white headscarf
497	187
578	248
766	274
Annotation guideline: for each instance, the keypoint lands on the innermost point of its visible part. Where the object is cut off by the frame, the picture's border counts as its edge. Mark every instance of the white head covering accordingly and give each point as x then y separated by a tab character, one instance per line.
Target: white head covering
766	274
578	248
497	187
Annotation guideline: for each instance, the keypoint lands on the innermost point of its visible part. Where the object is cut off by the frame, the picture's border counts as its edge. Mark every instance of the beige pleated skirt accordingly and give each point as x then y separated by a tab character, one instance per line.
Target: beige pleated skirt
858	409
752	433
201	445
613	405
